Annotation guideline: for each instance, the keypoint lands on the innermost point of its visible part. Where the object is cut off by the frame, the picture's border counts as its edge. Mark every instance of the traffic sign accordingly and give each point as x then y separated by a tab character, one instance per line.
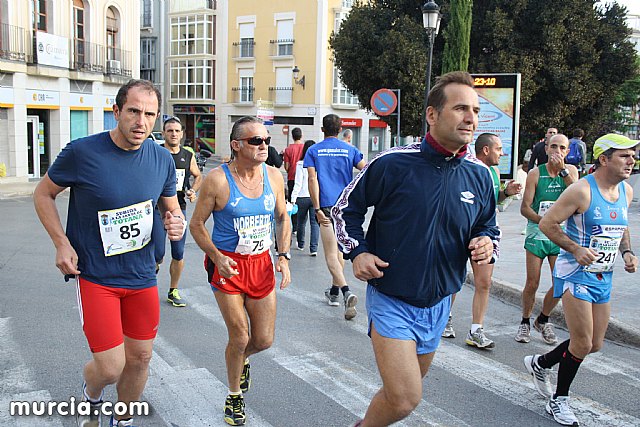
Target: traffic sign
384	102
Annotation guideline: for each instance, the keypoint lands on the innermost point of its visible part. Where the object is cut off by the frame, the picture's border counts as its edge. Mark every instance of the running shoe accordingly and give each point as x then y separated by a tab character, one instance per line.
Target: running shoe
300	248
561	411
546	329
448	330
234	410
120	423
332	300
94	418
314	253
540	375
245	377
479	339
524	333
175	299
350	301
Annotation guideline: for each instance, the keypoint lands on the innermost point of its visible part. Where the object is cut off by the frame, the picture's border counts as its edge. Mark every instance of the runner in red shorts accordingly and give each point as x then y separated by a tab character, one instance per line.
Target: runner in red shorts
245	197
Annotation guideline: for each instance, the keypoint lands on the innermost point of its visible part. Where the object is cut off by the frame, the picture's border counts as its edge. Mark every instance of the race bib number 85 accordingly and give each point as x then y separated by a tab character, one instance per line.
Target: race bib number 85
126	229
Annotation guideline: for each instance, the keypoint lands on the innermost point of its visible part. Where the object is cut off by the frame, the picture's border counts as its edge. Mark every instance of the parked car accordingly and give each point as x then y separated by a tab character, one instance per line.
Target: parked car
157	137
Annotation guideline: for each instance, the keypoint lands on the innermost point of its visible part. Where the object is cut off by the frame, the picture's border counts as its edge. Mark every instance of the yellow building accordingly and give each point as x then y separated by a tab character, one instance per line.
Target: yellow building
260	44
61	64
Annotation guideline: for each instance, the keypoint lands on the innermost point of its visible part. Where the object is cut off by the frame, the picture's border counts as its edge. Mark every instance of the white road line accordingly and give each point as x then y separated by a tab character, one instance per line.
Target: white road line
187	397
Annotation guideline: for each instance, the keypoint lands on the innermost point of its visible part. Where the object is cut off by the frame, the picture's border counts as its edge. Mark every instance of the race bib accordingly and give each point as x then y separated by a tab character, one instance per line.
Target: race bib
607	249
254	240
544	207
126	229
180	174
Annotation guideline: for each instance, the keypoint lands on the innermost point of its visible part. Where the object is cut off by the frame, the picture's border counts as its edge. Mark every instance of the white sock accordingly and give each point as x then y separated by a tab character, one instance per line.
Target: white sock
235	393
475	326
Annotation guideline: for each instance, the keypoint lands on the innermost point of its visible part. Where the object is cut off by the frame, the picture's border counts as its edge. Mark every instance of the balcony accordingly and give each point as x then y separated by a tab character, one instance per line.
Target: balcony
281	96
244	50
243	95
13	44
118	62
86	56
281	49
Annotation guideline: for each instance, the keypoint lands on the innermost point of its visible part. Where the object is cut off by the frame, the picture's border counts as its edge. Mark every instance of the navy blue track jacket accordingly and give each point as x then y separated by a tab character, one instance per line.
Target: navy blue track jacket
427	207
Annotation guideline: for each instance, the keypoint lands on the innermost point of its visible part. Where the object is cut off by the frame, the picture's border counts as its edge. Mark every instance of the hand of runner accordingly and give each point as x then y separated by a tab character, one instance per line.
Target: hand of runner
481	249
191	195
512	188
322	218
585	256
175	226
67	260
226	266
367	266
282	266
630	263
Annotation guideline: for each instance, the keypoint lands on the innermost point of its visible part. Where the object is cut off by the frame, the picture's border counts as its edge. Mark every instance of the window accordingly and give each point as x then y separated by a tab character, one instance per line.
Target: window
78	33
192	79
192	35
285	37
148	58
246	40
147	13
283	86
337	21
341	96
112	33
39	15
246	89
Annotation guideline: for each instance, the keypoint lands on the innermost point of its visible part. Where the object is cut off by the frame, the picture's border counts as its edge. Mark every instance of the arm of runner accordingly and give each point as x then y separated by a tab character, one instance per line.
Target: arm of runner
511	189
297	183
283	225
481	249
210	194
197	180
527	197
575	199
174	221
44	200
630	260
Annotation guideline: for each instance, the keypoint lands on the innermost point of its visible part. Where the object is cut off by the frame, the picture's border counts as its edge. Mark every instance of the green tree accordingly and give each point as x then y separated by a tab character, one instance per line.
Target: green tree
455	56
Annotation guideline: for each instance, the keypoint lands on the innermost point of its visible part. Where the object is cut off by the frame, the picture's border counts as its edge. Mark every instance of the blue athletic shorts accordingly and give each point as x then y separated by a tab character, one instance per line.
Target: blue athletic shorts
396	319
595	294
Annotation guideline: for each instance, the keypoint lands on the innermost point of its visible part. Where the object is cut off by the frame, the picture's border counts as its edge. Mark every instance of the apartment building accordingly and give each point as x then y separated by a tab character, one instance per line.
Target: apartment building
61	64
274	61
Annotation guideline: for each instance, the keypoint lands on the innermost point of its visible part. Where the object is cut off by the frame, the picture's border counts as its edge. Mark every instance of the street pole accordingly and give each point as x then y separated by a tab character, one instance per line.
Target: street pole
431	22
427	88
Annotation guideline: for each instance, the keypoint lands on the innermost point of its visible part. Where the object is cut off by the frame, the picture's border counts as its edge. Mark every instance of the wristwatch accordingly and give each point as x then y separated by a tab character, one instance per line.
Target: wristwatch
287	255
627	251
317	210
563	173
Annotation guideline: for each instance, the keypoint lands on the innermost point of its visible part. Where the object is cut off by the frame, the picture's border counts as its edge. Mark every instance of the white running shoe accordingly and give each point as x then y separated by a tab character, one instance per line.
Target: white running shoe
540	375
561	411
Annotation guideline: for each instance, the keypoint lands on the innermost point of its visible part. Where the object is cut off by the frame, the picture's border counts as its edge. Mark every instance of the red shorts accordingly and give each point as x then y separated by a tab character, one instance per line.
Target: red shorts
108	314
256	278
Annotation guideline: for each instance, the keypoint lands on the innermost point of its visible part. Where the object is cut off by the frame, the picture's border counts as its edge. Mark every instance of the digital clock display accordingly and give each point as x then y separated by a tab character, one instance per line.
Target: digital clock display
484	81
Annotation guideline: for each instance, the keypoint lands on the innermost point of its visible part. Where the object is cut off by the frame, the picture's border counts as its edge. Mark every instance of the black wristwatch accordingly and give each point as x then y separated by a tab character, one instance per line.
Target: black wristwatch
627	251
317	210
287	255
563	173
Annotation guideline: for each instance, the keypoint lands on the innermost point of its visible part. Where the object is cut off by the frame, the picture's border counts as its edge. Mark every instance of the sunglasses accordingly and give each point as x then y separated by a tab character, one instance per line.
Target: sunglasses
172	118
256	140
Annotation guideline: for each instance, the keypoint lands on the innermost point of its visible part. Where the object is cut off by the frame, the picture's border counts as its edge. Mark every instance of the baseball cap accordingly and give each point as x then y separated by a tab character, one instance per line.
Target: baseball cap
612	140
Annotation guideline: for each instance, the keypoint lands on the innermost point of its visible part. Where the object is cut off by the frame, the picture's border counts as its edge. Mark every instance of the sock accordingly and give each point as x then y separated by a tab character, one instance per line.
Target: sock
235	393
90	399
554	356
525	321
344	289
475	326
542	319
334	290
567	371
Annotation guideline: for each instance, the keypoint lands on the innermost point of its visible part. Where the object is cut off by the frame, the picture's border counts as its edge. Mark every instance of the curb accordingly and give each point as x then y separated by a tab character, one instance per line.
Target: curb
619	332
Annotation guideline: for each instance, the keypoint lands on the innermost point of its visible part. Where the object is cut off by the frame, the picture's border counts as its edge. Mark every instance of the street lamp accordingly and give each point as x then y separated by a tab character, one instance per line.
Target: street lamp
296	73
431	22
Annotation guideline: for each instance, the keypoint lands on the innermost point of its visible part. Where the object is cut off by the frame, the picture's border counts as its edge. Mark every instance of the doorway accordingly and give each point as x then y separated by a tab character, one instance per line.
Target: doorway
33	146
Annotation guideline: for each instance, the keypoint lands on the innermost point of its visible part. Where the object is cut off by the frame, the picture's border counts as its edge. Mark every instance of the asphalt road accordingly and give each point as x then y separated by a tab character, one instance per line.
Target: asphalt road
319	372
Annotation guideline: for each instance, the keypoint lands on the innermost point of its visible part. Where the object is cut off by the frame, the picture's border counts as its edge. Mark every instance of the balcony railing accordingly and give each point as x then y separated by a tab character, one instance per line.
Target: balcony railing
244	49
86	56
118	62
282	48
281	95
243	95
13	43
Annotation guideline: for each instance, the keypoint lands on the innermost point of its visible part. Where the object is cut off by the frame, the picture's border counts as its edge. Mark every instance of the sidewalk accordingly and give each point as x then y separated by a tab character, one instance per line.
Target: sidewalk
510	273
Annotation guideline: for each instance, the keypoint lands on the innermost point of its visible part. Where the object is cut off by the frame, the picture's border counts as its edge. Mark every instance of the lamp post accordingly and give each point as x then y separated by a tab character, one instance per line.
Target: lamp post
431	22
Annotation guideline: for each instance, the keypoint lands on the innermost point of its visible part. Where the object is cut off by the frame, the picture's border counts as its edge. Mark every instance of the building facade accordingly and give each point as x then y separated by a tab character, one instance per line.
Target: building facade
61	64
275	62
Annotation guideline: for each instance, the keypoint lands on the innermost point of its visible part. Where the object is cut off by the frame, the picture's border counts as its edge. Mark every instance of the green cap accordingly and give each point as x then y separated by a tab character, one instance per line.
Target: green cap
612	140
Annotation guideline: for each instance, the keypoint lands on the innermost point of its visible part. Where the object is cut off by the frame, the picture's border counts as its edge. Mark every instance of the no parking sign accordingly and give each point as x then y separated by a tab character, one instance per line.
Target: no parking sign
384	102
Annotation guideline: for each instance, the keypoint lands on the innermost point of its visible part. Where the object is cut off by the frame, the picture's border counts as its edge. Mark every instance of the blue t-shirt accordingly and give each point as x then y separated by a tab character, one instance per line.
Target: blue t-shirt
334	161
105	178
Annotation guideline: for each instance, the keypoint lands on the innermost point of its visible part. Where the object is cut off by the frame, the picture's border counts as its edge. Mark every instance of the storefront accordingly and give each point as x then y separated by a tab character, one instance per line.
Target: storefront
80	106
377	132
355	125
200	125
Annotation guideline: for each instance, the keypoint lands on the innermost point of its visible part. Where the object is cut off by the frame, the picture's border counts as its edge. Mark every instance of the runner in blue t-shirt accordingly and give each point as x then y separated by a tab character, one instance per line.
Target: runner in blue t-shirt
116	180
330	165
